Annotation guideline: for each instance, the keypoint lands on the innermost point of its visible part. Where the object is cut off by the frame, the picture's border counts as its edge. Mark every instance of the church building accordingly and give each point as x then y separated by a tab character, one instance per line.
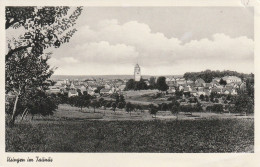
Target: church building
137	73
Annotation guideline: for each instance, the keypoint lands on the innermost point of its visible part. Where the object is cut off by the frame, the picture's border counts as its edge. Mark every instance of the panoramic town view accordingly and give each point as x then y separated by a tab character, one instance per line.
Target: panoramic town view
113	79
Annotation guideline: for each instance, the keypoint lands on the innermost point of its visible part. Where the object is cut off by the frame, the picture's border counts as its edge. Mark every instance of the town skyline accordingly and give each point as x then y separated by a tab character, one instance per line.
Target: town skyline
131	74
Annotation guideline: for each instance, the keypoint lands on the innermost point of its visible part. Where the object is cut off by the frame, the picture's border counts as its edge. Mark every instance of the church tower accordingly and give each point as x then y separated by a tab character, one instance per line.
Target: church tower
137	73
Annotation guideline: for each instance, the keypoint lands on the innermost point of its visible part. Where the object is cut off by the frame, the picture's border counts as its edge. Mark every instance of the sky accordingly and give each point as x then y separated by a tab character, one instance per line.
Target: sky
162	40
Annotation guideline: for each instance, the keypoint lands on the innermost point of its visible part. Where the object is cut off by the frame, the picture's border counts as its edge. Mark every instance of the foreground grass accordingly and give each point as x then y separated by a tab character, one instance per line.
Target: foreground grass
216	135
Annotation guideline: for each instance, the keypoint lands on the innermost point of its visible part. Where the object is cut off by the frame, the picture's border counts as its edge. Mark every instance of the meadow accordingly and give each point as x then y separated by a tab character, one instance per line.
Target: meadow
165	136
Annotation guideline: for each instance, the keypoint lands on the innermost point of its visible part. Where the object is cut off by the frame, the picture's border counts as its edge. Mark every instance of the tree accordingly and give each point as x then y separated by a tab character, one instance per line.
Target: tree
217	108
212	95
140	108
208	75
113	105
26	63
222	82
130	85
209	108
175	108
187	109
136	85
199	108
120	105
152	83
117	98
250	86
25	72
79	102
44	27
108	104
163	107
244	104
95	104
101	100
153	110
206	98
202	97
161	84
82	101
122	99
36	102
141	85
98	89
178	93
129	107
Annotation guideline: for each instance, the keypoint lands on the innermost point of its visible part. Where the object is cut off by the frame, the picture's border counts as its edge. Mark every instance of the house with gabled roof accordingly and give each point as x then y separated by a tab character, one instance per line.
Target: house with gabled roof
106	91
216	90
199	82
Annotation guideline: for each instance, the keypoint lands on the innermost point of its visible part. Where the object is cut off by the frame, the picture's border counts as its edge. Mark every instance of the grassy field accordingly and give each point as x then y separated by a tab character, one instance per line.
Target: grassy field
59	135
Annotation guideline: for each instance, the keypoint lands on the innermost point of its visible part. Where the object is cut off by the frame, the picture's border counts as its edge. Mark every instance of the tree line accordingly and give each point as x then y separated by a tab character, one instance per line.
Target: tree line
160	84
208	75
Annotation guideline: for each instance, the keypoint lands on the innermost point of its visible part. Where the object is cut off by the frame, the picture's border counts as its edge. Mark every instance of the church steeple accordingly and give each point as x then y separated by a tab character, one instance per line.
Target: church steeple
137	73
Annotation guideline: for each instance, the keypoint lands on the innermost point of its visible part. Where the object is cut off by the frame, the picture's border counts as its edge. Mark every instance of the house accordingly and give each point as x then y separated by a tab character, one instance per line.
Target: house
208	85
187	89
167	79
107	86
122	87
189	82
72	92
54	89
91	92
106	91
234	92
229	86
170	83
181	81
226	91
232	79
171	89
199	82
229	91
207	92
216	90
216	80
82	89
181	88
201	91
193	92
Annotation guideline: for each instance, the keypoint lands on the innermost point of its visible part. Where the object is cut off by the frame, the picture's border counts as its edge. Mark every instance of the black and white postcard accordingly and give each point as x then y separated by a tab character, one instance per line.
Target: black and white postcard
166	79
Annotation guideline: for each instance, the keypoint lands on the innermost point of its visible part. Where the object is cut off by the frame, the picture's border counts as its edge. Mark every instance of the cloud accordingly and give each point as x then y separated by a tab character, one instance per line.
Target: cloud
69	60
103	52
110	42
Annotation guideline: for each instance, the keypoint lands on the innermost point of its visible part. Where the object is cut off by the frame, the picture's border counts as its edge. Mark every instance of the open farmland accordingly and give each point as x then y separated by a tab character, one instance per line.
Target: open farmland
175	136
